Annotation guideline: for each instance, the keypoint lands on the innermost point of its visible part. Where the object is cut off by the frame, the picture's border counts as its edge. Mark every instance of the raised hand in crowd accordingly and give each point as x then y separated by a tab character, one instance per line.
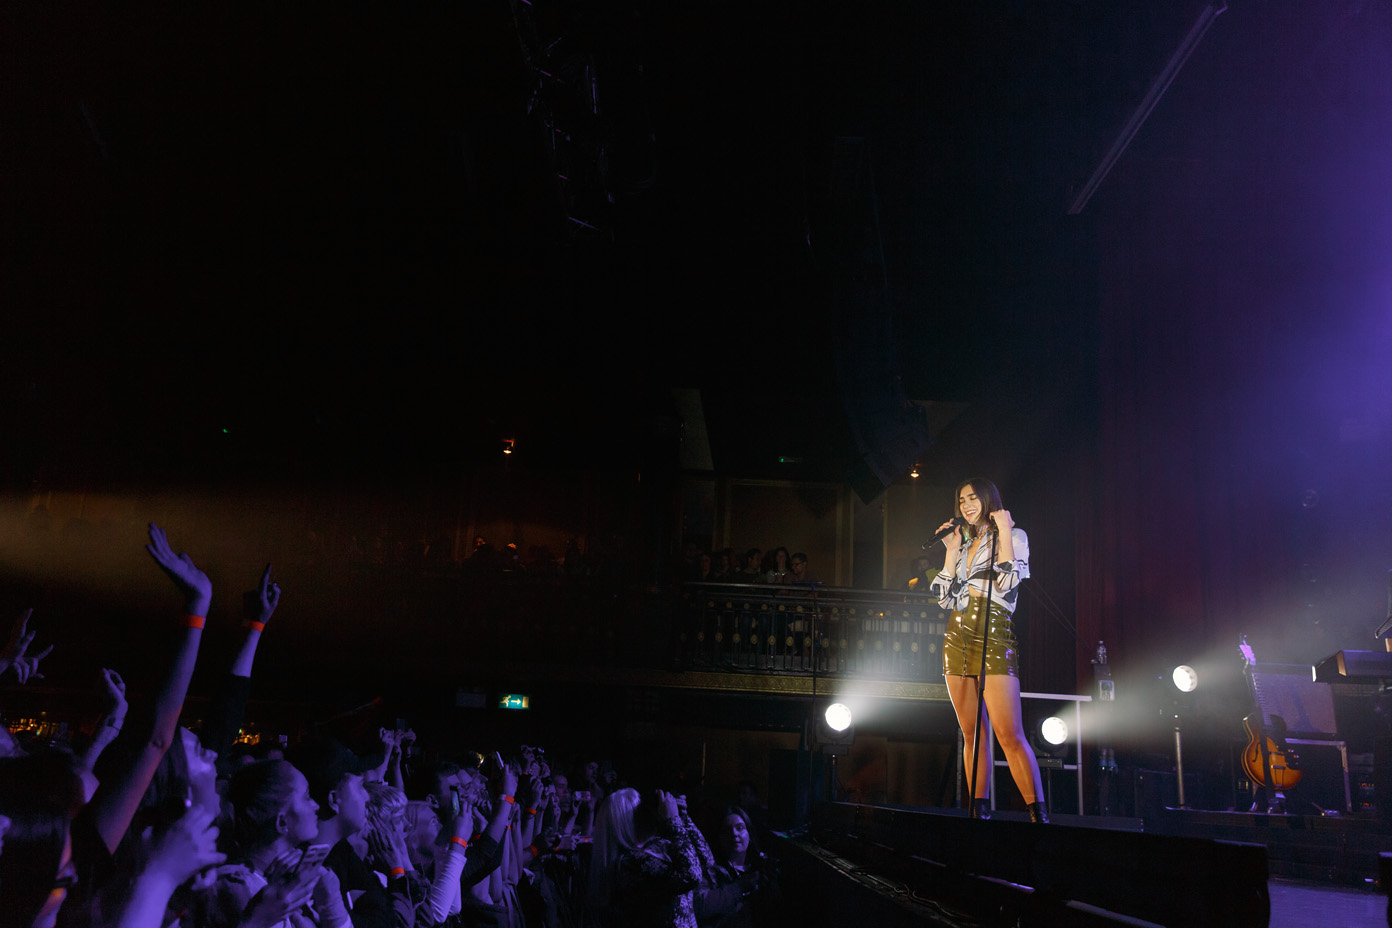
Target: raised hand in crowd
116	803
260	604
16	653
113	717
192	582
531	799
227	710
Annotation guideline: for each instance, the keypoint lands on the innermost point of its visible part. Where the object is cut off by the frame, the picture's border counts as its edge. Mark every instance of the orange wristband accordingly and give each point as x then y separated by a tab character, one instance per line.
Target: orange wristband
398	871
459	841
509	799
257	626
194	621
535	852
531	811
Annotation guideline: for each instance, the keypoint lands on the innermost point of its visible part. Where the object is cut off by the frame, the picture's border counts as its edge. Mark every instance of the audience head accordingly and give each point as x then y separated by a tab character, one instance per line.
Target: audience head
386	807
615	834
270	803
422	830
436	783
39	795
734	836
986	493
335	781
560	783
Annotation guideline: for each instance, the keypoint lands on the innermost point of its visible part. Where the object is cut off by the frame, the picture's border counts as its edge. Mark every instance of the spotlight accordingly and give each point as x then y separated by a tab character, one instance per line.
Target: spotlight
507	445
834	735
834	732
914	472
1186	680
1048	738
838	717
1054	730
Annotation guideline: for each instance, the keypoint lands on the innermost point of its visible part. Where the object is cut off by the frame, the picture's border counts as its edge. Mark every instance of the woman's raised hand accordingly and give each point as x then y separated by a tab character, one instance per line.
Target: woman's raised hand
114	693
1003	521
192	582
16	651
667	807
259	604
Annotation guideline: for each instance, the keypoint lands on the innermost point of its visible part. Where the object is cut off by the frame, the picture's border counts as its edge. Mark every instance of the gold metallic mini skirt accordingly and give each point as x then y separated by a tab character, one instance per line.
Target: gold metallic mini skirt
962	641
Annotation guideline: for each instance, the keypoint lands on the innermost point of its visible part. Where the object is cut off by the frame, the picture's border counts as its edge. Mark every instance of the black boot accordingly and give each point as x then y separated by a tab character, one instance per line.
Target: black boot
1038	812
980	809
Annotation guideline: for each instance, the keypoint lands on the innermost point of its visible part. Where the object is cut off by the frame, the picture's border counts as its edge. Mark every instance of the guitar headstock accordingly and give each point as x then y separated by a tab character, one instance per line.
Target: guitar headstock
1246	650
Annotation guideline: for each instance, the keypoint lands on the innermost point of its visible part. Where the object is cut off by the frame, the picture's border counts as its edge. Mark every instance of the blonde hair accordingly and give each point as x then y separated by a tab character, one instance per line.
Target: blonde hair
385	804
615	834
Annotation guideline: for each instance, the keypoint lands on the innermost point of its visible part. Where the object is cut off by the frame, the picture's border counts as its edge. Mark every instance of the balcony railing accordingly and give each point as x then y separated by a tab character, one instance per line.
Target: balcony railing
798	629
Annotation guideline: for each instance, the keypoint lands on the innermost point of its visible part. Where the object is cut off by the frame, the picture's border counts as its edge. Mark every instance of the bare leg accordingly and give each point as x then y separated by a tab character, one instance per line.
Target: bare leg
1003	706
962	691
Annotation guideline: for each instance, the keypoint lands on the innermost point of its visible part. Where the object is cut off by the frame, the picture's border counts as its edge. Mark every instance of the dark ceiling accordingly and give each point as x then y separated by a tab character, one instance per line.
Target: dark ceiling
384	238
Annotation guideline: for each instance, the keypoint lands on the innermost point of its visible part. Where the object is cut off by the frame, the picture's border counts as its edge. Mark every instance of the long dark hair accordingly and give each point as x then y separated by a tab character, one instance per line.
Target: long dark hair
750	853
40	794
986	492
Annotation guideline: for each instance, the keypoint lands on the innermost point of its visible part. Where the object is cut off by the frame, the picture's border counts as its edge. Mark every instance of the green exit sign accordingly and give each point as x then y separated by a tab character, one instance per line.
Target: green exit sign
514	701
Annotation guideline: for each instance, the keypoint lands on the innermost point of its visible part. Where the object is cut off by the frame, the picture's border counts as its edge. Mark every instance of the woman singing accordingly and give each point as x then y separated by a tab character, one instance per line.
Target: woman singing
962	587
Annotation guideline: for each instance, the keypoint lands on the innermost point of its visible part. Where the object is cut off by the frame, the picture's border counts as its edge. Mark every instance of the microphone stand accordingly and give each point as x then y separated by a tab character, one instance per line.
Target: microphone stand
981	679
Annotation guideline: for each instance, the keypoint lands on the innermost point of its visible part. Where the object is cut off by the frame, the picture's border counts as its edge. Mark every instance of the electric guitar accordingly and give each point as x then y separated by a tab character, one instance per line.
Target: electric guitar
1266	759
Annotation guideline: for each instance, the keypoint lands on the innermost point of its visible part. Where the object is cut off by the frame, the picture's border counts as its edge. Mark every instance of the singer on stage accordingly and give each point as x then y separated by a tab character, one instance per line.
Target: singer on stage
961	585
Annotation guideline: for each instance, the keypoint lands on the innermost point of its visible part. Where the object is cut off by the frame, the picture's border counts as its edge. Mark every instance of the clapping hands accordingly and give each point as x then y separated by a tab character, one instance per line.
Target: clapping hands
288	889
386	842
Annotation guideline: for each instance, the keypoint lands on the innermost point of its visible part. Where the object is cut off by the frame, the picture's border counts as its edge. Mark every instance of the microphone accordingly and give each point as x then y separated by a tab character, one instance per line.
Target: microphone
956	523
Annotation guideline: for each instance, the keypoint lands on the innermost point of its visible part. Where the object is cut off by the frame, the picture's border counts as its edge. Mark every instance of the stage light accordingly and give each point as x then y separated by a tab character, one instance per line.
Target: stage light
832	731
914	473
1186	680
1048	735
1054	730
838	717
508	444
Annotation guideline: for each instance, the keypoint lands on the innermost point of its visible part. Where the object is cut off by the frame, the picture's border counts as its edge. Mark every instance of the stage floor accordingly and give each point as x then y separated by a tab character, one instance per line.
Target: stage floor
1302	904
1182	867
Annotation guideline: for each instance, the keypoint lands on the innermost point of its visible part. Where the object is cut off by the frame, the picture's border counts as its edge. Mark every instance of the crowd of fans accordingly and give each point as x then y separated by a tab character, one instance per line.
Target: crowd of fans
754	566
150	825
